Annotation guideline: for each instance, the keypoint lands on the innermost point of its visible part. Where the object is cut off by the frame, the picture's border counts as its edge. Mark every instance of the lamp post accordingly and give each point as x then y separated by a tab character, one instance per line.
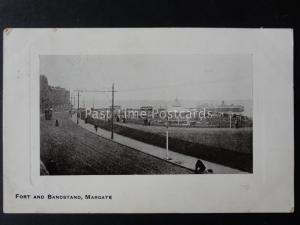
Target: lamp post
167	139
112	111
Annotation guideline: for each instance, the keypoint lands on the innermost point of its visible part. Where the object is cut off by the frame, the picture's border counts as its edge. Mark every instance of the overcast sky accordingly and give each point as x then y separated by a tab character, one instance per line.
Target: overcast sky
154	77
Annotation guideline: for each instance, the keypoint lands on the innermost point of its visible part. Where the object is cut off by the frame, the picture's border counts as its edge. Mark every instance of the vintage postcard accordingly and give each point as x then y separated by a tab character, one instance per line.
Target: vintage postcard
148	120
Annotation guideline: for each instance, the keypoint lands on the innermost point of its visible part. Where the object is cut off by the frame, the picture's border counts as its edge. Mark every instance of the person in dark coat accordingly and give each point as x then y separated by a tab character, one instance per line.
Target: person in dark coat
236	123
96	127
46	114
199	167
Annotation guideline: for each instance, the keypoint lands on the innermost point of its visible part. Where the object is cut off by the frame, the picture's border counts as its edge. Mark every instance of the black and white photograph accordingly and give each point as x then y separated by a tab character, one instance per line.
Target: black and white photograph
146	114
160	120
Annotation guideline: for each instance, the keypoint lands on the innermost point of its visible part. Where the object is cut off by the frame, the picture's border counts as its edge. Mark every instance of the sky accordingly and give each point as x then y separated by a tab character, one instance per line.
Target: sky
153	77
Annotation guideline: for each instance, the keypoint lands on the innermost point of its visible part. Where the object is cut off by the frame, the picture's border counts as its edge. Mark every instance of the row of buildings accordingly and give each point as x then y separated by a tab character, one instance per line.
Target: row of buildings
57	98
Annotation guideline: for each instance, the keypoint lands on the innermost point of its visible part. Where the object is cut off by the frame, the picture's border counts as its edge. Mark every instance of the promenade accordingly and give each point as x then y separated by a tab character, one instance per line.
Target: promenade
173	157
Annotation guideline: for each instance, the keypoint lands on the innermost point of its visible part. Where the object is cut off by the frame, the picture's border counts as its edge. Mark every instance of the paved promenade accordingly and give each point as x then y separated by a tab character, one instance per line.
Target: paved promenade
174	157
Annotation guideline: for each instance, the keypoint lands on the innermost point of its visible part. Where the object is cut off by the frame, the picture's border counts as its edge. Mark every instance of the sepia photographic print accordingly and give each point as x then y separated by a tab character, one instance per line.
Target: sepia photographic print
146	114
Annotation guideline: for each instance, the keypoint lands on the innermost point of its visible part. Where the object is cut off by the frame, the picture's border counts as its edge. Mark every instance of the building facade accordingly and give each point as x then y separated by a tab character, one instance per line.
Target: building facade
57	98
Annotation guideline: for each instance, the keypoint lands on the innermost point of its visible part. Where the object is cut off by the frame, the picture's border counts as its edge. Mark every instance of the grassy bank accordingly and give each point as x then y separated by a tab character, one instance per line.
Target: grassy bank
220	155
238	140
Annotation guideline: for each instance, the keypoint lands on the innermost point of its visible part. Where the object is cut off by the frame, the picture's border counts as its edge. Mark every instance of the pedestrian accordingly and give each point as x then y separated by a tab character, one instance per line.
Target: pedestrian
96	127
145	121
46	114
236	123
199	167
